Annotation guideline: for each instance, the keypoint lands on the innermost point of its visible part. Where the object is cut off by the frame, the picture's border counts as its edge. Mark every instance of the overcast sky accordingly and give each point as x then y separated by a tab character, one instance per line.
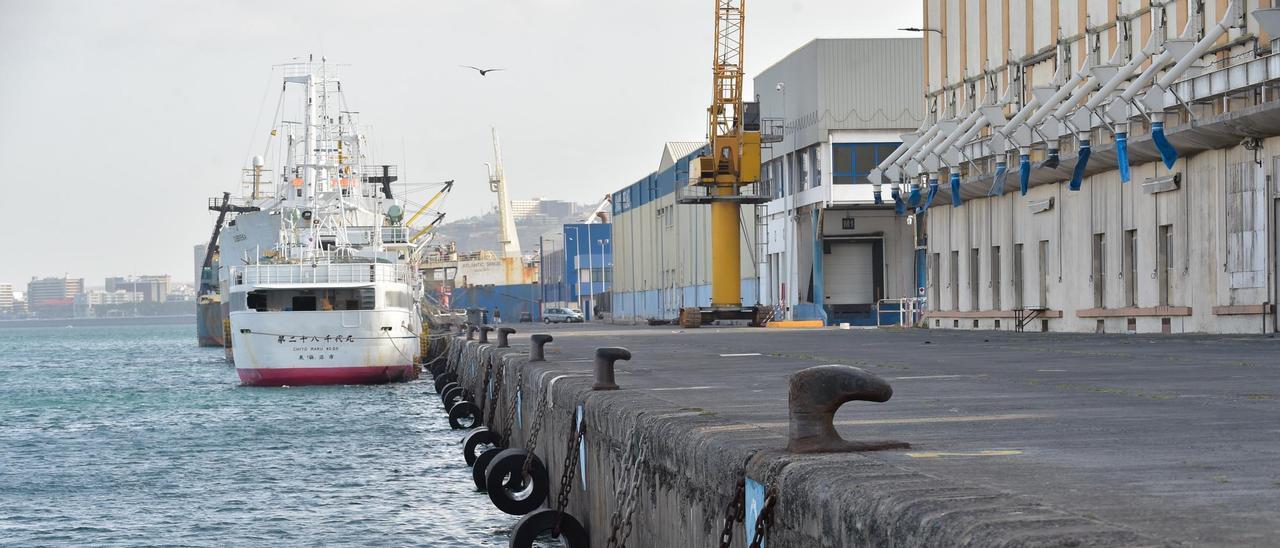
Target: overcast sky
118	119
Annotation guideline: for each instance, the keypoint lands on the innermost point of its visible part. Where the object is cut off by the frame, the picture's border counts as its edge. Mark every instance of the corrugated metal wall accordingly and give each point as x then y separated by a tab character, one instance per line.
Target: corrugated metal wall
511	300
817	96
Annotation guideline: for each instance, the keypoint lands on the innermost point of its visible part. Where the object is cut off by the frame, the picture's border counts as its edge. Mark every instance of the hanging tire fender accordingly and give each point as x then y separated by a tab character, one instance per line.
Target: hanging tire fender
443	379
474	442
481	464
464	415
505	482
541	523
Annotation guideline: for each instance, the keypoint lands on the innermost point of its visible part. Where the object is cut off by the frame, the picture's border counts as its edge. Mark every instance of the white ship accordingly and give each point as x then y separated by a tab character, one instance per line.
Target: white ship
318	268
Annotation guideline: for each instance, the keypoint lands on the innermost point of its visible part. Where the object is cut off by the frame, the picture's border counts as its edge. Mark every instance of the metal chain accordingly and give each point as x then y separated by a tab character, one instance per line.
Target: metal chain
511	410
764	520
498	379
570	468
488	373
628	491
734	513
531	443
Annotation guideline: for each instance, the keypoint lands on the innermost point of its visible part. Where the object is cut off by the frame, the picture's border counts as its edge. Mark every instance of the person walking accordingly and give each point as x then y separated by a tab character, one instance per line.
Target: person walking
497	315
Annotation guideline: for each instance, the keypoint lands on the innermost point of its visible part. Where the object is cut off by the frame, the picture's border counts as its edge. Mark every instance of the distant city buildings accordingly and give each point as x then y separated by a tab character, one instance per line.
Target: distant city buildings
6	297
154	289
53	297
100	297
122	296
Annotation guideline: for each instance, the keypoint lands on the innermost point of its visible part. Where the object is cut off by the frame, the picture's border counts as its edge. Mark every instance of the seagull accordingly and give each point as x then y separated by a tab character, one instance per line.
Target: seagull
480	70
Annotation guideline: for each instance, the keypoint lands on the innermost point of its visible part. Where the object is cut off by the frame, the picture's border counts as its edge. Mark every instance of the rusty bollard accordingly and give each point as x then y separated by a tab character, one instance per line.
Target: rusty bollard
484	333
813	398
604	366
503	333
535	349
471	332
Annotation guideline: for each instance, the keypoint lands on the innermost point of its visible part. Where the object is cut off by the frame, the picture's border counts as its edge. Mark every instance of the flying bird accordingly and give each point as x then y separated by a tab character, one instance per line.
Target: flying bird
480	70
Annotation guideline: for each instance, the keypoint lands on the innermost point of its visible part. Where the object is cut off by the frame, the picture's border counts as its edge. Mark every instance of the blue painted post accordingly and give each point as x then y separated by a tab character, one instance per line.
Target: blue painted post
817	265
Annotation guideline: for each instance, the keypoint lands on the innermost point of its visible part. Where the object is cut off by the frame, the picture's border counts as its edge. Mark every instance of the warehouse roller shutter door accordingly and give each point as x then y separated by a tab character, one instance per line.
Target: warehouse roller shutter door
851	280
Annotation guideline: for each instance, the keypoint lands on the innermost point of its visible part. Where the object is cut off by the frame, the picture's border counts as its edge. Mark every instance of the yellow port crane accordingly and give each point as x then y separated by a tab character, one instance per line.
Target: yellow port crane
732	162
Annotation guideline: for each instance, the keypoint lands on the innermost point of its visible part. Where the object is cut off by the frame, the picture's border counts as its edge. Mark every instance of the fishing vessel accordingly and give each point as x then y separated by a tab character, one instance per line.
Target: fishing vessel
317	267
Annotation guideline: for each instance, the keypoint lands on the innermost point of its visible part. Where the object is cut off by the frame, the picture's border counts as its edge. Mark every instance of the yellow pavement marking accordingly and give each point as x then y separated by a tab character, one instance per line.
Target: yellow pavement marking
856	422
938	454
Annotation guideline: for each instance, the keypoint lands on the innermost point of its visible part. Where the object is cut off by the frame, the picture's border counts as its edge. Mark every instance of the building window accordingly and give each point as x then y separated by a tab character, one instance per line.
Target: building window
974	282
1017	276
954	280
851	163
1044	274
1164	262
815	163
1099	273
802	164
995	277
1131	268
935	280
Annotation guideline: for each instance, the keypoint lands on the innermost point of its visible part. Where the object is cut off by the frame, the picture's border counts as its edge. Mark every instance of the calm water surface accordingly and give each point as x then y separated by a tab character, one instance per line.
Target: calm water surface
132	435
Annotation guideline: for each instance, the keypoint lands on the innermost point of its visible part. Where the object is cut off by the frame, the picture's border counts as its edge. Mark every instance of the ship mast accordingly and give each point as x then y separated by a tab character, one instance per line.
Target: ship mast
508	239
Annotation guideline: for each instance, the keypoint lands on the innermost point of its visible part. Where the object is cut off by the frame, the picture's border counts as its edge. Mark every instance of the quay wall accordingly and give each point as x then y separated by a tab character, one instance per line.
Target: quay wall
696	460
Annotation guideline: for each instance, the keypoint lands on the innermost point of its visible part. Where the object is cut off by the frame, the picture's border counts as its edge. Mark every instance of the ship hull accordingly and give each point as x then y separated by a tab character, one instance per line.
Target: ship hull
315	348
209	324
311	376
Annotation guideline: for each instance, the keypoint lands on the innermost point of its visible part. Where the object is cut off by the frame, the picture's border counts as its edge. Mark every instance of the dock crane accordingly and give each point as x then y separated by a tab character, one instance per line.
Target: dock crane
731	162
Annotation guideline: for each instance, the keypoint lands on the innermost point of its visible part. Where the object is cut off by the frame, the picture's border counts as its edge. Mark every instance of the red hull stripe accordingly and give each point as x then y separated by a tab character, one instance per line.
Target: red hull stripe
304	376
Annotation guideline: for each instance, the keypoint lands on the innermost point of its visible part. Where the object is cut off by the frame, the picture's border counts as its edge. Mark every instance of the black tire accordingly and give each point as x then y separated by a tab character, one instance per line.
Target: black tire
447	397
541	523
456	395
444	379
546	321
509	490
475	441
464	415
482	462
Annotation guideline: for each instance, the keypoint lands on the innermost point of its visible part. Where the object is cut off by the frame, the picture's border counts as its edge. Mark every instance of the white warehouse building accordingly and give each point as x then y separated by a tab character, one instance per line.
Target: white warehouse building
831	252
1112	164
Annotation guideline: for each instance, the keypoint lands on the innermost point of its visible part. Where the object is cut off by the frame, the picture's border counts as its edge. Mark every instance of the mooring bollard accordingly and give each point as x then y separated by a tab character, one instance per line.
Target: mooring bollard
471	332
816	393
484	333
503	333
535	349
604	366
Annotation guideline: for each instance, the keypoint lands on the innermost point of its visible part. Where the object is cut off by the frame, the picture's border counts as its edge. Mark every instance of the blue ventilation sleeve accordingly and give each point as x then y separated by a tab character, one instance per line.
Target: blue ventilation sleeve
898	205
1024	172
1167	152
878	198
1122	156
955	190
1082	160
913	198
928	198
997	182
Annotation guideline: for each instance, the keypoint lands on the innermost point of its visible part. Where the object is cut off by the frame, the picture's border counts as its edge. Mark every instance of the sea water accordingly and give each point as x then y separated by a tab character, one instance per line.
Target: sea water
133	435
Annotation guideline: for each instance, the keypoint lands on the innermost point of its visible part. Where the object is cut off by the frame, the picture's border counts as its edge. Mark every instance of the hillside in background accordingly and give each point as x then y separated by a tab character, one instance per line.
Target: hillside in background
481	232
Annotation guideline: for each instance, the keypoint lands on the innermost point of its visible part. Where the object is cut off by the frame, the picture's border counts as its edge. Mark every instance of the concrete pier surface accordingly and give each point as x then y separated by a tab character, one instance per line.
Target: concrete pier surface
1016	439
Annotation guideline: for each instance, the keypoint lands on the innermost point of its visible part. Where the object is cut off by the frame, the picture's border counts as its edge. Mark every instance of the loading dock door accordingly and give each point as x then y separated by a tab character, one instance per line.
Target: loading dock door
848	274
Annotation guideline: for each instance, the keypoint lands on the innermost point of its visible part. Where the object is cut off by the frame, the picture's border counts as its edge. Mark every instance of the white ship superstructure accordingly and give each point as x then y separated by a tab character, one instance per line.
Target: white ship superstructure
320	283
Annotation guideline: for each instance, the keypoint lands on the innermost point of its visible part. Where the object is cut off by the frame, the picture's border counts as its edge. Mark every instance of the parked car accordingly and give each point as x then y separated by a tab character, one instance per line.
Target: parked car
562	315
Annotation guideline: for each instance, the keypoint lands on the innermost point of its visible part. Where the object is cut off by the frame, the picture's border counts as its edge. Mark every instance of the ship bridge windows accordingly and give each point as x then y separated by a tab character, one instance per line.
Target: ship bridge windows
397	298
310	300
